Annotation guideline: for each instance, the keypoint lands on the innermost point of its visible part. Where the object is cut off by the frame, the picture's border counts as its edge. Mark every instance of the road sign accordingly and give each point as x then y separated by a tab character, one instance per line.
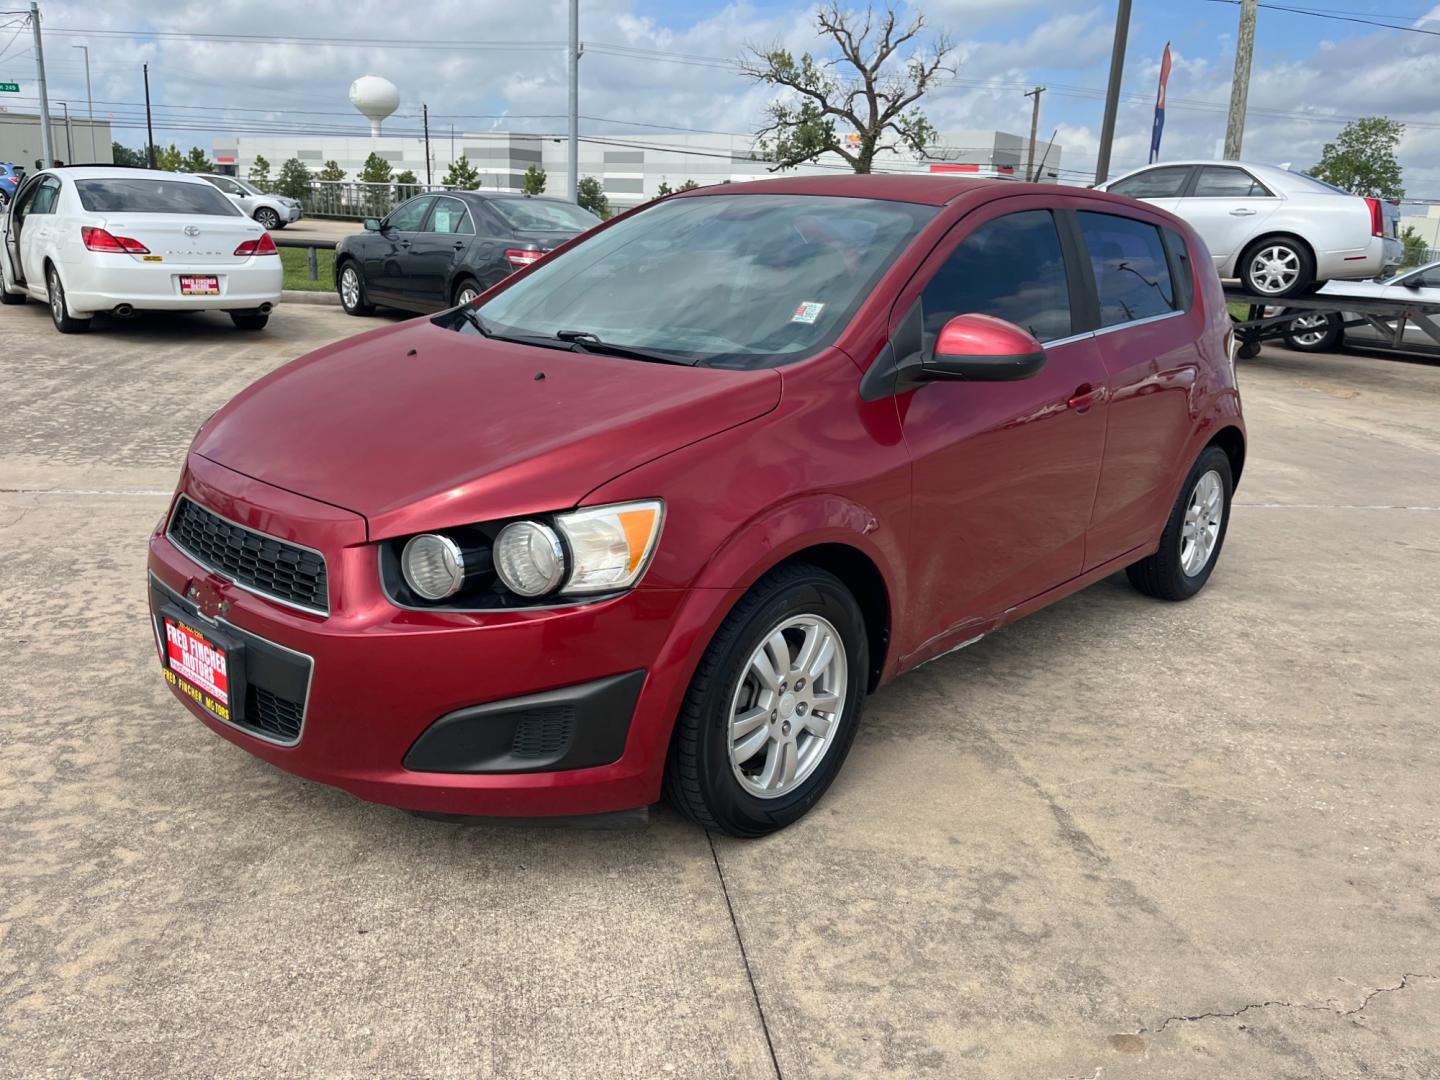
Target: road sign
9	87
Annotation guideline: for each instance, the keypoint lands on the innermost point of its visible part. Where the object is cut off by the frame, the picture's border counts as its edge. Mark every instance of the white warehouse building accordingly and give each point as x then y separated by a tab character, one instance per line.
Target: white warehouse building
630	168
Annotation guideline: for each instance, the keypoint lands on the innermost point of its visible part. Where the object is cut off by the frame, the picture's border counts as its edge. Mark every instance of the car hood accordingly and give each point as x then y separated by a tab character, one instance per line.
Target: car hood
418	427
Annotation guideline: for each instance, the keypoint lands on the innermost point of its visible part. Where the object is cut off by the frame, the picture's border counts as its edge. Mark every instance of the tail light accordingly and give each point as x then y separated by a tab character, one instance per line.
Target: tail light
261	245
97	239
522	257
1377	217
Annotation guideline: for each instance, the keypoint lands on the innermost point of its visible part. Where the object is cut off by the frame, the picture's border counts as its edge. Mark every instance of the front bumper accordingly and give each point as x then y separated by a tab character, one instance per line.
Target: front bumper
395	695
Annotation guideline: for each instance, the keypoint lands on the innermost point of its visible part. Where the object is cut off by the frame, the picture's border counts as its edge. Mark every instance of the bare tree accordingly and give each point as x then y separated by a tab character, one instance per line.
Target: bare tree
854	105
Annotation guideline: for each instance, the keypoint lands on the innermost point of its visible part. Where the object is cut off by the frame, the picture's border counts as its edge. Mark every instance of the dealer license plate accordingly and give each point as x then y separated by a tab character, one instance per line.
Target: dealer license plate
202	285
199	666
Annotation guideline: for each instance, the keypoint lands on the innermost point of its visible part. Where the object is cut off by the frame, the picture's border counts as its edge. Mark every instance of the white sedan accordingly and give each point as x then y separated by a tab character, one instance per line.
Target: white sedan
272	211
105	239
1317	331
1281	233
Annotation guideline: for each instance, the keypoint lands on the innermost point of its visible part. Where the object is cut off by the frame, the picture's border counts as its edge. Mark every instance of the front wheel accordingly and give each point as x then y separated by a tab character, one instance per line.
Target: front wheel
268	218
773	707
1314	331
1276	268
1194	532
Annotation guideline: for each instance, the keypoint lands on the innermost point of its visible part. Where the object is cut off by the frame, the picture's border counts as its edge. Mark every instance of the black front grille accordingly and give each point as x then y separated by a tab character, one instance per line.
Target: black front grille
543	732
270	714
249	558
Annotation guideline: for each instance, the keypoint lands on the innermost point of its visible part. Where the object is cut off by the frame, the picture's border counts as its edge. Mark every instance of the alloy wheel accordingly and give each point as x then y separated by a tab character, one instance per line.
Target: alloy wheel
1274	269
268	218
57	297
466	295
787	706
1204	513
1309	330
350	287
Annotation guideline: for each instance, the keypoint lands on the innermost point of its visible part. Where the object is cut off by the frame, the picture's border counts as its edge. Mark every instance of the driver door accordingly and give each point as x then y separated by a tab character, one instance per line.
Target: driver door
387	255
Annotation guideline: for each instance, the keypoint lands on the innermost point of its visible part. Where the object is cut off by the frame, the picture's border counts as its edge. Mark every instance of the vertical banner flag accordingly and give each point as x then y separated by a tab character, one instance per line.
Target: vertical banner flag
1160	107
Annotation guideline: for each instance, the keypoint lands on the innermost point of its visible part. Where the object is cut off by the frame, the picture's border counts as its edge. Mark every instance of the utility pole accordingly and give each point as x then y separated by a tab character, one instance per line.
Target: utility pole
1030	174
149	131
46	147
1240	87
89	103
425	114
69	135
1112	92
573	56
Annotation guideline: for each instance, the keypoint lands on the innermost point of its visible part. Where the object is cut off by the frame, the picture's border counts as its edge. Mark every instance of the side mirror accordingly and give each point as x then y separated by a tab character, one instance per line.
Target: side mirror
982	348
1413	282
372	224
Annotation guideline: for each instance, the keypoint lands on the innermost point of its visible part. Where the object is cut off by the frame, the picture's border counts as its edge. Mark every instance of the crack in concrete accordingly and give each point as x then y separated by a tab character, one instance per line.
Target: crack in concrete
1343	1013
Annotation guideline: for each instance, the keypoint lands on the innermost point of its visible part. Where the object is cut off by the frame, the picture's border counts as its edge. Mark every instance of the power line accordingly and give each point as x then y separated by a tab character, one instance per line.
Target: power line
1316	13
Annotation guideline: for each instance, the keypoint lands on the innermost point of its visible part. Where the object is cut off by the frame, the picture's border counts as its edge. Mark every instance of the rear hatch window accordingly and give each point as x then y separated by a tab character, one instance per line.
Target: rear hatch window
136	195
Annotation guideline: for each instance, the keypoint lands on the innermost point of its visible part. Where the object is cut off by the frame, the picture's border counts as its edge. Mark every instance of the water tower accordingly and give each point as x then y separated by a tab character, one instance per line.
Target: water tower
376	98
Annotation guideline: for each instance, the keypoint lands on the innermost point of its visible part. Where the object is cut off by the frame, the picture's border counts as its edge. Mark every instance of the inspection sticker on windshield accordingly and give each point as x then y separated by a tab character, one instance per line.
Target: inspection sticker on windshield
807	312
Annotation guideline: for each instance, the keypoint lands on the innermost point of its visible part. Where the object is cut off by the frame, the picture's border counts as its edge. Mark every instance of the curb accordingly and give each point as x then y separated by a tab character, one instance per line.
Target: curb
305	296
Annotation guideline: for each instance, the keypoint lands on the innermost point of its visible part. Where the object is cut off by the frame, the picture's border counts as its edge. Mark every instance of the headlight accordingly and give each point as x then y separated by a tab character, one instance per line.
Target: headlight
434	566
610	545
529	558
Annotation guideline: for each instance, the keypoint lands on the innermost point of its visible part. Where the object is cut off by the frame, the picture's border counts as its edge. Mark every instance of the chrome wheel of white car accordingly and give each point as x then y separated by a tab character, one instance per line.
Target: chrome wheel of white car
783	713
1275	269
268	218
1204	514
1310	330
59	310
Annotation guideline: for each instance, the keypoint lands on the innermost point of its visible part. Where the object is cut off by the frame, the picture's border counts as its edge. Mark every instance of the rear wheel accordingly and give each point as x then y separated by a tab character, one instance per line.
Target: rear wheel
773	707
1194	533
466	292
1314	331
352	291
1277	267
59	312
267	217
250	320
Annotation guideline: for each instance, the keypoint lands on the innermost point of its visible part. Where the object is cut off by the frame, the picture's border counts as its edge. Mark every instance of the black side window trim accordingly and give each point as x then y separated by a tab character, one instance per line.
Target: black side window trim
1084	297
1181	282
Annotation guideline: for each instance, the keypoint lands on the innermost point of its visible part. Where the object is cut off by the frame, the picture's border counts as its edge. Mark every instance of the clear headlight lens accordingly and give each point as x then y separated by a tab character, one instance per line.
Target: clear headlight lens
529	558
610	546
433	566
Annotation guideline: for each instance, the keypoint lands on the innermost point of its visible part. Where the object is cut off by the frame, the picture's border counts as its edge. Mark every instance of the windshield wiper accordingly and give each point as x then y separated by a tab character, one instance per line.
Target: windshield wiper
478	322
585	341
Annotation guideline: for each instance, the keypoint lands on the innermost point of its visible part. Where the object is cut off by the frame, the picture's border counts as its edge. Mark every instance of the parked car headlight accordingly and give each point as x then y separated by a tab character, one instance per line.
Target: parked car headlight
529	558
610	546
433	565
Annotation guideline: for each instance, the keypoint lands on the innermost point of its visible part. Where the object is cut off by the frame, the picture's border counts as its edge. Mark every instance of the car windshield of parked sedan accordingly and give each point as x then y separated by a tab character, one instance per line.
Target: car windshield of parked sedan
724	280
544	215
143	195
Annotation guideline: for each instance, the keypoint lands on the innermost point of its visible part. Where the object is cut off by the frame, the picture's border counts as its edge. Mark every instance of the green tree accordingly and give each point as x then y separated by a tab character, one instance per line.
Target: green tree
260	172
590	195
170	159
331	171
462	175
663	190
376	171
534	181
123	155
196	161
294	179
688	185
1362	158
858	103
405	185
1417	252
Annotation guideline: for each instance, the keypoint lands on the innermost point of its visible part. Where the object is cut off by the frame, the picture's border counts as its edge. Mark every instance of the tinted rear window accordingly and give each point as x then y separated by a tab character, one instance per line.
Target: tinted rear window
1132	274
136	195
533	215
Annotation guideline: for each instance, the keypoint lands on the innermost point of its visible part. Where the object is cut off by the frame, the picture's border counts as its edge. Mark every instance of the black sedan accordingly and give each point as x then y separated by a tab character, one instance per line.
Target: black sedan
441	249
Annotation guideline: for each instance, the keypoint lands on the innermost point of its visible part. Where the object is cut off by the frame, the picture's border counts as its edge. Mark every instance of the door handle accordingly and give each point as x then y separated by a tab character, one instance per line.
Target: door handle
1242	211
1083	397
459	245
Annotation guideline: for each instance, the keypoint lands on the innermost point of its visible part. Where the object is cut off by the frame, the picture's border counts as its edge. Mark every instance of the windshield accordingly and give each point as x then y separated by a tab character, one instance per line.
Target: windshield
544	215
725	280
134	195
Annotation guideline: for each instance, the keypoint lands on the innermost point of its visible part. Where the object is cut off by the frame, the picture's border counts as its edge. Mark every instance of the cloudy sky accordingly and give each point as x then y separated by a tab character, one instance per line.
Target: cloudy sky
500	65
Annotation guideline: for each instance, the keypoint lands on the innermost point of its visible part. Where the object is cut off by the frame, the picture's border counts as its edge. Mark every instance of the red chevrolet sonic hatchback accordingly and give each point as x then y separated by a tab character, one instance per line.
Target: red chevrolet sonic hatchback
660	510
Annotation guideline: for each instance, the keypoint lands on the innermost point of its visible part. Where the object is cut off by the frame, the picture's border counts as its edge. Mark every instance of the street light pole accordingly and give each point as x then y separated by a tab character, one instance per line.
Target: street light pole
69	135
573	185
1112	92
46	145
89	102
149	131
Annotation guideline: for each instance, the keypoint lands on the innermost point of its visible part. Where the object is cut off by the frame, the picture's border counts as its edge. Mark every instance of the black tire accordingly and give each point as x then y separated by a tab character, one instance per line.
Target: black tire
361	306
1315	336
59	313
1247	350
267	218
249	320
461	286
7	297
1294	250
699	779
1163	575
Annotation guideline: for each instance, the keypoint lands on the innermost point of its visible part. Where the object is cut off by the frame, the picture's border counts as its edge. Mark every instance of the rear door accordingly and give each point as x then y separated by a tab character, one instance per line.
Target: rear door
1228	207
14	227
438	250
387	255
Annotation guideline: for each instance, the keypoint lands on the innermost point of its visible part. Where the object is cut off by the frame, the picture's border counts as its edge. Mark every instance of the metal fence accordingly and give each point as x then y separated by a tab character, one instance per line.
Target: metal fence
352	199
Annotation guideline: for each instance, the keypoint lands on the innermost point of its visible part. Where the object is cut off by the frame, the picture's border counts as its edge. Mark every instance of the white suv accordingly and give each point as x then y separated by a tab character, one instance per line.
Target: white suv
272	211
1281	233
88	239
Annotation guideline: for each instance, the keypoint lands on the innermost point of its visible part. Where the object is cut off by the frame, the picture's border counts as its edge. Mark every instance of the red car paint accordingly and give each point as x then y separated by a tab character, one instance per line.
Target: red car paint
973	503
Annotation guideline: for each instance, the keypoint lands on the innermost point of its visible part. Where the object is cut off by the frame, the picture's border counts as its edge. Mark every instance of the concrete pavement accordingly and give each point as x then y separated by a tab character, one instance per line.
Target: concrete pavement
1121	838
